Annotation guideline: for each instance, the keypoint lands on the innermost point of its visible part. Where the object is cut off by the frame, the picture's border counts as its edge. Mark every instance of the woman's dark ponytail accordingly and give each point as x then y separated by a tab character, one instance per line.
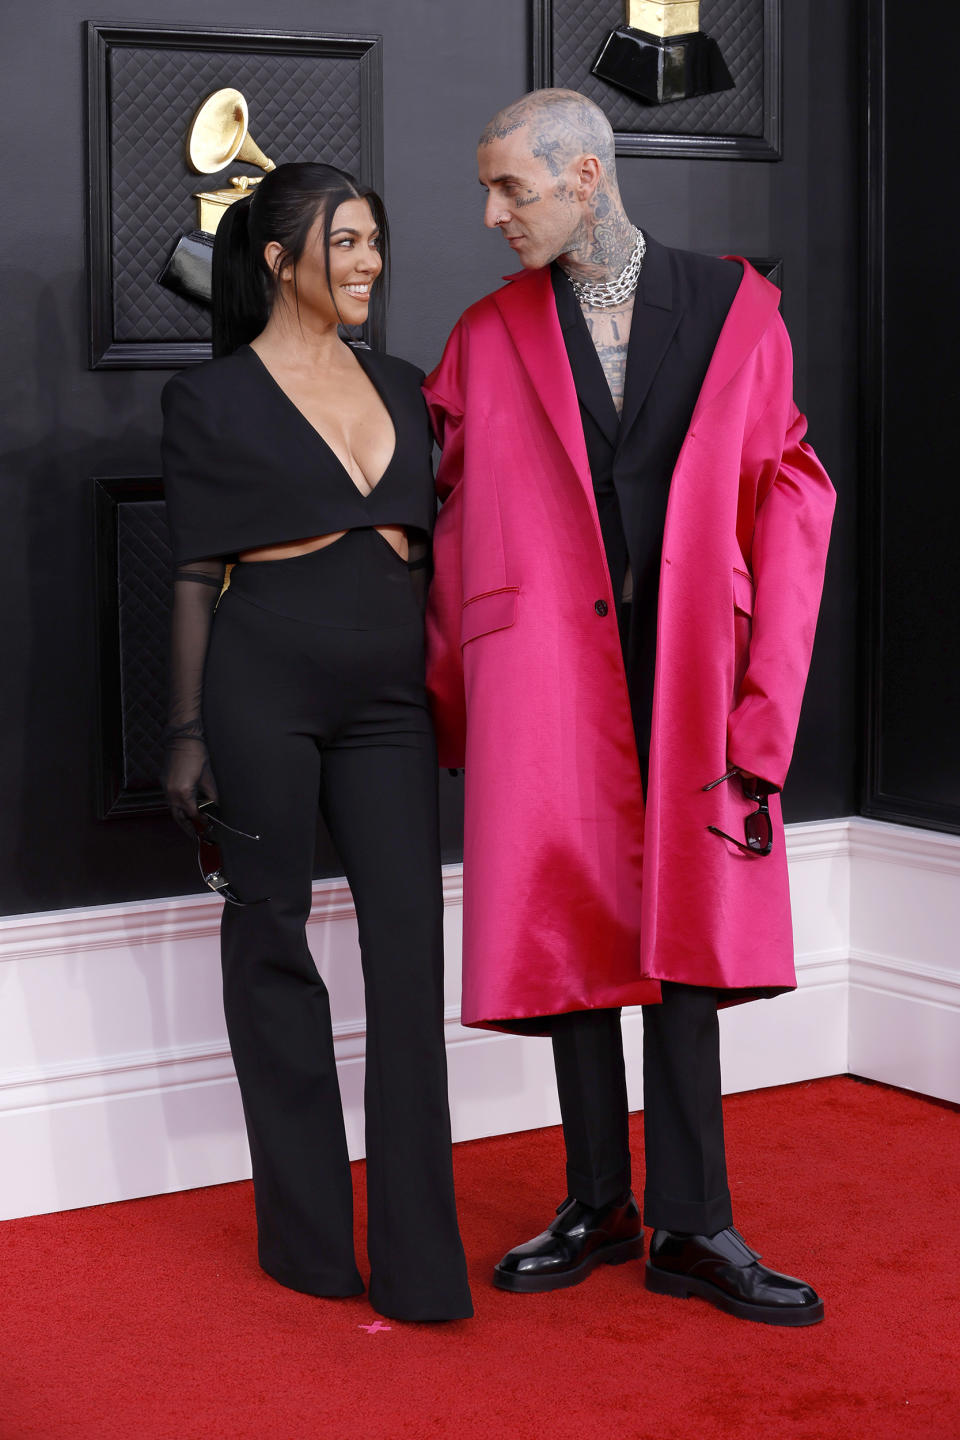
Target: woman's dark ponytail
240	305
283	209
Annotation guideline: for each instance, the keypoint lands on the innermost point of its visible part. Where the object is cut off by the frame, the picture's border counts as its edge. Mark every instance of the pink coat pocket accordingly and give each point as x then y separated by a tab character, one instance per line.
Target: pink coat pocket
742	628
493	610
742	592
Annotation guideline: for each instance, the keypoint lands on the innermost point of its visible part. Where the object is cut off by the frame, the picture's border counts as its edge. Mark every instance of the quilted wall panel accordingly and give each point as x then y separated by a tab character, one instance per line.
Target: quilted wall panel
311	96
301	108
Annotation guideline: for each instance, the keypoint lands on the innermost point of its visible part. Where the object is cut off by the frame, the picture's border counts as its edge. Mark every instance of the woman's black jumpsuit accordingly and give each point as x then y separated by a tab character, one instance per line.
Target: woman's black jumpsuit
312	692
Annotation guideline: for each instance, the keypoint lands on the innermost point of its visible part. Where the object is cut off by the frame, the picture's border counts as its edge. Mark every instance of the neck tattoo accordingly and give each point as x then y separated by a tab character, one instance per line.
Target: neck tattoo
604	294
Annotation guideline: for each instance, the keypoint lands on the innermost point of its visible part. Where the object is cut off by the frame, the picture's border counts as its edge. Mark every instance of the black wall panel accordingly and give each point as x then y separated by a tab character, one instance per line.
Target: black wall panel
911	495
446	68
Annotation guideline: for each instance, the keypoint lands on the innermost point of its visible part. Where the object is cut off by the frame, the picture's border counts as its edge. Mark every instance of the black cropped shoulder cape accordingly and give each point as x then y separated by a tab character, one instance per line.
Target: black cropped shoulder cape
243	467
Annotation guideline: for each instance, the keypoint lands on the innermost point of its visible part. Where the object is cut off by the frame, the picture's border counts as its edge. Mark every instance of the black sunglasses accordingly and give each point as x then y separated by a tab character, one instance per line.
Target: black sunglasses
757	827
209	857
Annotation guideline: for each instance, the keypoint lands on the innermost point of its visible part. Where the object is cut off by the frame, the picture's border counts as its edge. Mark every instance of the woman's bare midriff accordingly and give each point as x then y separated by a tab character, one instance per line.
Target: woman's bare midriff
395	536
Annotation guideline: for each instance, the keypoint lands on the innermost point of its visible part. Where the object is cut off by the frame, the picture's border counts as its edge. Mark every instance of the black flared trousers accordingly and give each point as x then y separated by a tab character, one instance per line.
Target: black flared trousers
314	696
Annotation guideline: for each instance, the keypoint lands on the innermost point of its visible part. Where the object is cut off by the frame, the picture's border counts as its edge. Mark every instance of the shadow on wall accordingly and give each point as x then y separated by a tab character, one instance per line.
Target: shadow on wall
49	730
80	1008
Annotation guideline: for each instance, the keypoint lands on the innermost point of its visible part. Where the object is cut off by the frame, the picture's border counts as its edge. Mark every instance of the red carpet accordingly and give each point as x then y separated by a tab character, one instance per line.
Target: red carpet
151	1321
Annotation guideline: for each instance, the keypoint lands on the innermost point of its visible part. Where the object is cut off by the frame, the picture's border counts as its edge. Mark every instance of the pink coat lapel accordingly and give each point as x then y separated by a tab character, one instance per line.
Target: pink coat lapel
750	314
530	315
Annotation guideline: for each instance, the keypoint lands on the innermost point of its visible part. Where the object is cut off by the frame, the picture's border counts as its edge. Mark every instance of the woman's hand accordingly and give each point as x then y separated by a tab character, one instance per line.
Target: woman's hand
186	773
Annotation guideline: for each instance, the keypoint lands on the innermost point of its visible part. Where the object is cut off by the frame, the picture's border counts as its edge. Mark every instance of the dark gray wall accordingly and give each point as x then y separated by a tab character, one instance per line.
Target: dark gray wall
912	514
447	67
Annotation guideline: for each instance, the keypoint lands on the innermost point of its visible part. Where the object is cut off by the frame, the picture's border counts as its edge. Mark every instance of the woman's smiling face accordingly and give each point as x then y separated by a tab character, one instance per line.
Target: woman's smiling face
355	263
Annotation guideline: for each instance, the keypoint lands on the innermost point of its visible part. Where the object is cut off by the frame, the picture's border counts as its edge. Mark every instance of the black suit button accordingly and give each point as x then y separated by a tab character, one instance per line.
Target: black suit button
601	607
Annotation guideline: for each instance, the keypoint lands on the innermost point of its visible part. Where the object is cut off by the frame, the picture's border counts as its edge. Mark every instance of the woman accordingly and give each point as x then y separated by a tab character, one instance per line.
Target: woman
308	463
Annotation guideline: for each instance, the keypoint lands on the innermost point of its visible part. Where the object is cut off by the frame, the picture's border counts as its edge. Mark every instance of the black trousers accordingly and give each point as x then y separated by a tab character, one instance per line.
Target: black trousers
685	1185
686	1178
314	696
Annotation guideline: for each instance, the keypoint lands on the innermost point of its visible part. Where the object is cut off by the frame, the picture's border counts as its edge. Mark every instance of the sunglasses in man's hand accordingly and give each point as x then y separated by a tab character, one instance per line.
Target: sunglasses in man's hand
757	826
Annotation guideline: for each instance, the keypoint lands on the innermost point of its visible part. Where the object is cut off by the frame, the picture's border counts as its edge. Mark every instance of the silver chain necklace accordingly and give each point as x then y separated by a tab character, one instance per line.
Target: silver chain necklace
604	294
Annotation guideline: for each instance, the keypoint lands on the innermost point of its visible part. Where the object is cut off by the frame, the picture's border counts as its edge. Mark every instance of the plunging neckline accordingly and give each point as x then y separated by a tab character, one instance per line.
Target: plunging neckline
323	440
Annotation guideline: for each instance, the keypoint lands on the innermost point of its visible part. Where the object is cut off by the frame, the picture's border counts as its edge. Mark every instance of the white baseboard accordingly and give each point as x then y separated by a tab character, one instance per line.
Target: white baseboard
905	958
117	1080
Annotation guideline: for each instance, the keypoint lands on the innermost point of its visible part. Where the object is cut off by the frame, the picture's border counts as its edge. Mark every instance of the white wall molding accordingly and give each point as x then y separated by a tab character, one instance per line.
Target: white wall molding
908	979
116	1077
149	1070
144	922
113	1078
819	840
905	957
933	851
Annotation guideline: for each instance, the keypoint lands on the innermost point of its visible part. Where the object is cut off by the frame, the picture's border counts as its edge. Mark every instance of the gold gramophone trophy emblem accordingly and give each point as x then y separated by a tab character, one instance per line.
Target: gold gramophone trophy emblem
661	53
219	133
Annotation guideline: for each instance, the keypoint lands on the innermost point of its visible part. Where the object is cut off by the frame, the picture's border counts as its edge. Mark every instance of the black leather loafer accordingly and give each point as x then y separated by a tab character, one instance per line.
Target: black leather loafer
572	1245
725	1271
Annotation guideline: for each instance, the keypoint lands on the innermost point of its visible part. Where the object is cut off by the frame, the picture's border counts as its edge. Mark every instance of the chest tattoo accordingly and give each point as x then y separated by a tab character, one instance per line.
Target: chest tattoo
610	333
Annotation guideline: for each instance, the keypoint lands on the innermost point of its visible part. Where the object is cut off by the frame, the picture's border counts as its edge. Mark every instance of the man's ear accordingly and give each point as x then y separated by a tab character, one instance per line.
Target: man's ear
589	174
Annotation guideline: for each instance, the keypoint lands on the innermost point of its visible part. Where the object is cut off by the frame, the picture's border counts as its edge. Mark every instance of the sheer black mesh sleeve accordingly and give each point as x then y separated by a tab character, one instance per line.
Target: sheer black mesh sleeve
186	770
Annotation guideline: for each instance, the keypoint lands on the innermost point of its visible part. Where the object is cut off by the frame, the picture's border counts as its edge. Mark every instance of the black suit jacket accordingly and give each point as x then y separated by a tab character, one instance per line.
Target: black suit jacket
681	302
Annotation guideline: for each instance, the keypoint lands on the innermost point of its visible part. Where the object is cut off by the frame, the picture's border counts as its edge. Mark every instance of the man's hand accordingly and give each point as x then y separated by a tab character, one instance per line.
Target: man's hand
753	785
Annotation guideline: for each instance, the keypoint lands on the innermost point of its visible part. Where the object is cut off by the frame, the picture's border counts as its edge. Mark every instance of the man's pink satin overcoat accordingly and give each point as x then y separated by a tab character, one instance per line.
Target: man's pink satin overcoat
573	897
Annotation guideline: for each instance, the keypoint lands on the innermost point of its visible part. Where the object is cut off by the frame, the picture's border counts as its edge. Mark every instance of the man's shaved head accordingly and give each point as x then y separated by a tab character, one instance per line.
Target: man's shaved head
560	126
547	163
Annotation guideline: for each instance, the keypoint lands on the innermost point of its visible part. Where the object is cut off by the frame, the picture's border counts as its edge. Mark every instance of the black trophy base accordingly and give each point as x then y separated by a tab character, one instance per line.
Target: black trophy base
657	68
189	270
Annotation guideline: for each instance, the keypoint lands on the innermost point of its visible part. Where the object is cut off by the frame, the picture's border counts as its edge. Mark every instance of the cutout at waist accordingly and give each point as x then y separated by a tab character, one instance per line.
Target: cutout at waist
357	582
395	536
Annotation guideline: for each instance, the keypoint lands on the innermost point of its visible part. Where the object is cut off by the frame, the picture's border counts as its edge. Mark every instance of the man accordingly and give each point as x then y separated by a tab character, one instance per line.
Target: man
629	563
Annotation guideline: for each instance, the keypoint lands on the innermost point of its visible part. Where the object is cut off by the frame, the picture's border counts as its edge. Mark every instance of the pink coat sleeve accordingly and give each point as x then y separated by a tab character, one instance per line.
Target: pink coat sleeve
788	551
444	659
